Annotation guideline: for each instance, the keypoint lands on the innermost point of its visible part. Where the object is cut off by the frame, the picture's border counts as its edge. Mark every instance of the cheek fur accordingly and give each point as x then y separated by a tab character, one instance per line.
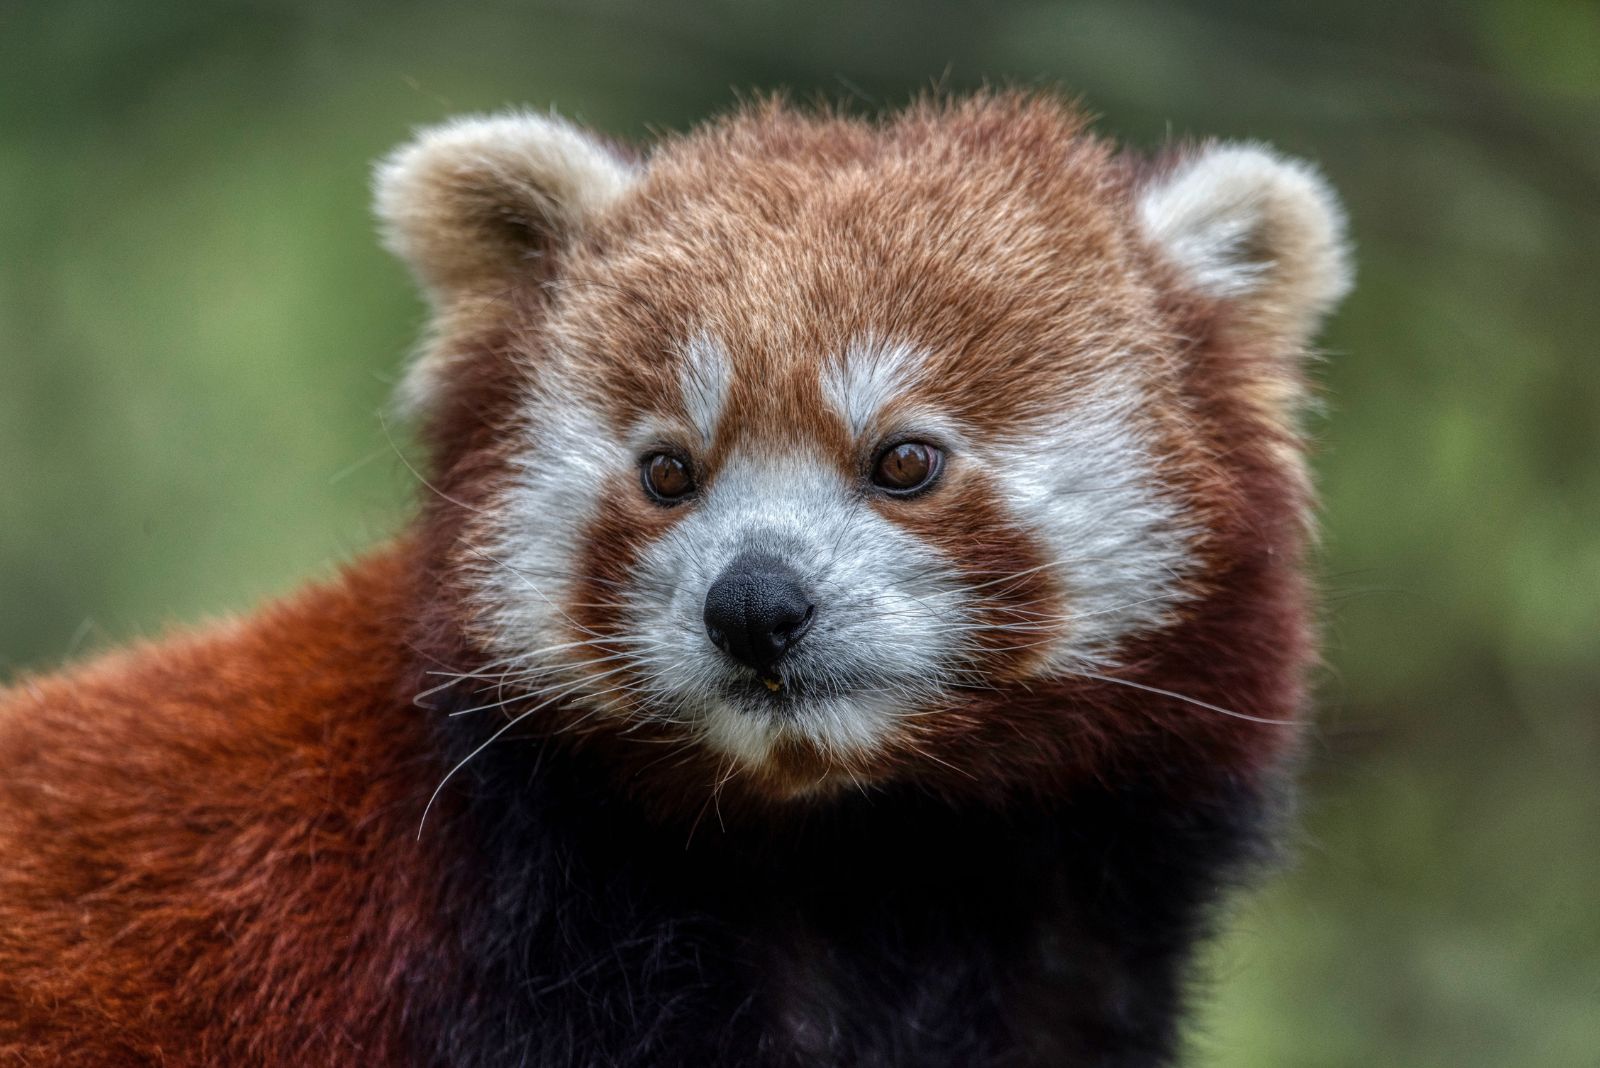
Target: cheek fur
1012	603
1097	493
623	526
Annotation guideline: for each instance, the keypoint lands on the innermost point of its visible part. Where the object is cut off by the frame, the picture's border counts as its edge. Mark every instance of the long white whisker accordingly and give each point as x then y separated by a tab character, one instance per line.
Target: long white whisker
537	693
487	742
1189	700
418	474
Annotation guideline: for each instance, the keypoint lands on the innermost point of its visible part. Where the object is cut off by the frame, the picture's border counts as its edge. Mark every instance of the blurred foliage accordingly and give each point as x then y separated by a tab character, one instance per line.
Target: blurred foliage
197	332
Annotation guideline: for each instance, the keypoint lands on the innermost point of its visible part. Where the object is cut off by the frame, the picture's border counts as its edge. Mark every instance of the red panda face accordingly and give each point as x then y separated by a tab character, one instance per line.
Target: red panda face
830	453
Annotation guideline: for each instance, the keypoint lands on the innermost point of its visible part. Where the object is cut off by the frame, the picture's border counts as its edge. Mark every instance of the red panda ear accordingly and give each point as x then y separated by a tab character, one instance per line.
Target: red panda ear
1256	230
474	205
470	205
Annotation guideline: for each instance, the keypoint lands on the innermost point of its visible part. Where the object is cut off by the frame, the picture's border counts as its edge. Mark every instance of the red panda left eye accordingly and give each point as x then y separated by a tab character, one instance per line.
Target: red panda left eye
907	467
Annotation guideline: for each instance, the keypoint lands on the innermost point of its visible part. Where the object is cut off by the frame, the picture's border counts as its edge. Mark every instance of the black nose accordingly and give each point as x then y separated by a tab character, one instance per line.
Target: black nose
756	611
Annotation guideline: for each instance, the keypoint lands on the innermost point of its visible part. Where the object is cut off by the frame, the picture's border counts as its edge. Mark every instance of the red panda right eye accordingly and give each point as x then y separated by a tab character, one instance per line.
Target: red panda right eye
667	477
907	468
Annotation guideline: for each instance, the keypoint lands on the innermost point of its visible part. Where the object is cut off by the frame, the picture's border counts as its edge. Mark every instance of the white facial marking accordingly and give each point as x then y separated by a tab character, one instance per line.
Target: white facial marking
881	637
894	617
524	548
1087	485
703	379
864	379
1084	481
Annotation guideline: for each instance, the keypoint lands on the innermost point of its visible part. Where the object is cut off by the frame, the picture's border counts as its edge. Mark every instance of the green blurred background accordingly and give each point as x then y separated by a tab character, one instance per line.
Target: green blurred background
197	332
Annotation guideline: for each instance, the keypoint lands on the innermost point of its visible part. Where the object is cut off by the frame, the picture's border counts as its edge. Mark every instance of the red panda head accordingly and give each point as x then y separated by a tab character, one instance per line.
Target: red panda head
953	447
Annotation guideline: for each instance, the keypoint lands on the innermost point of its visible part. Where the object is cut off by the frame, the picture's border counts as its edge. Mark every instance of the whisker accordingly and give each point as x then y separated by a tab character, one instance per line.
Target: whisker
384	423
486	743
530	584
540	693
1181	697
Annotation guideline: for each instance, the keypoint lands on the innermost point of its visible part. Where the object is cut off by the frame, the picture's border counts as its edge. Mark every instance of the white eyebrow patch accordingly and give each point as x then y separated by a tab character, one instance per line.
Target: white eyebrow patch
861	381
703	380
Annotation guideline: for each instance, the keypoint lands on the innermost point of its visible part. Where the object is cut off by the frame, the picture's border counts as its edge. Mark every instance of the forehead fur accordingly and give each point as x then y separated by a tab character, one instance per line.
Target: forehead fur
993	234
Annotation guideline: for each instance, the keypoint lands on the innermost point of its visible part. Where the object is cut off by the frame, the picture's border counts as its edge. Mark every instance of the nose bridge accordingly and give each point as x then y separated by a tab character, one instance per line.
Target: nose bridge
787	507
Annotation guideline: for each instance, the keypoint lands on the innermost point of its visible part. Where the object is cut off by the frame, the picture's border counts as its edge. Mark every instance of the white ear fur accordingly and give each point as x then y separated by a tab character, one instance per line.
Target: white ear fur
468	204
1254	228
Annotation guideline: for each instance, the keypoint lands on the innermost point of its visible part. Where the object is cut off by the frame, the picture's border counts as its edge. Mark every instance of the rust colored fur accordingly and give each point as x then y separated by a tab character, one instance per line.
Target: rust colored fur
198	833
211	844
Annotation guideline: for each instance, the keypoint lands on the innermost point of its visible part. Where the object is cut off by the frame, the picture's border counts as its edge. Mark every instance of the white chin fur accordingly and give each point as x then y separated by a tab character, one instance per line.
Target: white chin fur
884	601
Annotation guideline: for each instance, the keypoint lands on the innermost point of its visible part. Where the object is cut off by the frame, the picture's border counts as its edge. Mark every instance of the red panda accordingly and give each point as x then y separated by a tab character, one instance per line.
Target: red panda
856	615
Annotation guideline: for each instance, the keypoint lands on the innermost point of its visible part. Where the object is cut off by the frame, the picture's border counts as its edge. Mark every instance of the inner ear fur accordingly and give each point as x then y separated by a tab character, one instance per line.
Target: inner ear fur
1262	233
473	204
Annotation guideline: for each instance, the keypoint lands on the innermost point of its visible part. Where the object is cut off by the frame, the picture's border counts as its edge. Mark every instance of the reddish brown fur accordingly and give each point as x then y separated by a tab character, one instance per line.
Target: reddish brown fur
197	833
203	834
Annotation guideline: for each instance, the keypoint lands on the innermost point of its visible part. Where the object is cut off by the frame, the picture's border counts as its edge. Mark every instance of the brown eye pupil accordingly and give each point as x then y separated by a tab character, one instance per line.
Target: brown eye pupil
667	477
907	466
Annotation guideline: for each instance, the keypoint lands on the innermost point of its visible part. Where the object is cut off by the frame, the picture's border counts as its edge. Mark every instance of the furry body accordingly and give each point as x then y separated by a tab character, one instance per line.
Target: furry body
235	874
983	813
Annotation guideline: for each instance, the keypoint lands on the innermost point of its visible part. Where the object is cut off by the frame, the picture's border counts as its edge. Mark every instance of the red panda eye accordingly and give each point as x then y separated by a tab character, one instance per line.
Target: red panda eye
667	477
907	467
